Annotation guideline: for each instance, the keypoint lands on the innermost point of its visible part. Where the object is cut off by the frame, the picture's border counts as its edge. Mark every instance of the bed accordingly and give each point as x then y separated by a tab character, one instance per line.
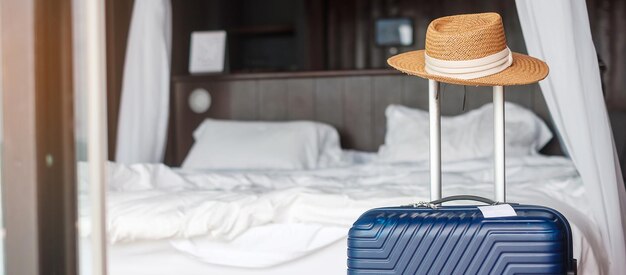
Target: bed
325	199
169	220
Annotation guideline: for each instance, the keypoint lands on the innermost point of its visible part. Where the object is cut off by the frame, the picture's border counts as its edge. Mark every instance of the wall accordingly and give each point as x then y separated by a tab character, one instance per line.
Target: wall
353	102
343	31
608	22
187	15
350	43
118	15
340	31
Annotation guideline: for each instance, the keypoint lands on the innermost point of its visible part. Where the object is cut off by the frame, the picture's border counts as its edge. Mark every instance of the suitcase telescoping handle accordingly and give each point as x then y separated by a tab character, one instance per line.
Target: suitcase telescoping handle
435	141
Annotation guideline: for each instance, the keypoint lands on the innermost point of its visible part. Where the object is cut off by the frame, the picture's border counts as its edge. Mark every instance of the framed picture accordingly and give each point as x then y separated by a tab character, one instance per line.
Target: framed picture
394	32
208	51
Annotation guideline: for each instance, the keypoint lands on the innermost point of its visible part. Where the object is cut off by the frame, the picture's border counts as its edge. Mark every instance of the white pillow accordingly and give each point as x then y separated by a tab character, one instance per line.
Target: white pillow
466	136
227	144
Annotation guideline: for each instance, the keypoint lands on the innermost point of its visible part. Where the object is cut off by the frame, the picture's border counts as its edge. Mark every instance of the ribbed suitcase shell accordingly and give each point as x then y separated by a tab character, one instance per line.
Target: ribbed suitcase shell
459	240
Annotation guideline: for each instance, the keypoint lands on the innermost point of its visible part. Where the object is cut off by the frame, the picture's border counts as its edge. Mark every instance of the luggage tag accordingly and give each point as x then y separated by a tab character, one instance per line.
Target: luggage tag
497	211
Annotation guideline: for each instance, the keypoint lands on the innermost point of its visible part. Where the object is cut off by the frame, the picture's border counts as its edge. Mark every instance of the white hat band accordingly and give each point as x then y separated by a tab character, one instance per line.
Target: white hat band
469	69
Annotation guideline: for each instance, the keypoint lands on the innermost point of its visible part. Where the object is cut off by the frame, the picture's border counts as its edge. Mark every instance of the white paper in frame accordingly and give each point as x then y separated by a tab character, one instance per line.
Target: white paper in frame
207	52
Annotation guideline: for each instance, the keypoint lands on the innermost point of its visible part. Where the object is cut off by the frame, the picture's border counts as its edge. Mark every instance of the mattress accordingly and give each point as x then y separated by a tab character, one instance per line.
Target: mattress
168	221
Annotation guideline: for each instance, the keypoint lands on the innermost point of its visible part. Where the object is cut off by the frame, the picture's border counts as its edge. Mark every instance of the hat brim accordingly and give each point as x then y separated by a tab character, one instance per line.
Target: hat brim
523	70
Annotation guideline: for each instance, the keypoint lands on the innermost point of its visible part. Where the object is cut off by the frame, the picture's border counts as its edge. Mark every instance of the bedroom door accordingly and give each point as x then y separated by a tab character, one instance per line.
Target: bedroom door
38	163
52	115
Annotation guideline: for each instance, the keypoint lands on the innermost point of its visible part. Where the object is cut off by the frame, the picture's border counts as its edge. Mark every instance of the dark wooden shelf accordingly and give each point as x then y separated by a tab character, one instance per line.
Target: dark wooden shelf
263	30
281	75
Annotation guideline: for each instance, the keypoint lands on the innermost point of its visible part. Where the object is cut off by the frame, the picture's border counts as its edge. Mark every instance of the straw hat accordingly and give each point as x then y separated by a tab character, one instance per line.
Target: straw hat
470	49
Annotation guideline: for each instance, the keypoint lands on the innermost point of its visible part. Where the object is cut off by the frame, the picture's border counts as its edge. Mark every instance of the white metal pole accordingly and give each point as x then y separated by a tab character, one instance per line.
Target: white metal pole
435	139
498	137
95	80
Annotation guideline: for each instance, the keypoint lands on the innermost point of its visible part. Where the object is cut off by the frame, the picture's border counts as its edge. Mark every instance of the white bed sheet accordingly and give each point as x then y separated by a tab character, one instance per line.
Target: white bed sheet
159	258
329	197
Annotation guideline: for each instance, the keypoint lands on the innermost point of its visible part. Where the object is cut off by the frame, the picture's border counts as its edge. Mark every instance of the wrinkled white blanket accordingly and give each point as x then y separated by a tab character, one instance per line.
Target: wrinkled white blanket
290	214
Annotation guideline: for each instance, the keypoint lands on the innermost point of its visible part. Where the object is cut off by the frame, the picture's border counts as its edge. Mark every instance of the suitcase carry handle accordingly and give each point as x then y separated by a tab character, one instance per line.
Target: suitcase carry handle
464	198
436	203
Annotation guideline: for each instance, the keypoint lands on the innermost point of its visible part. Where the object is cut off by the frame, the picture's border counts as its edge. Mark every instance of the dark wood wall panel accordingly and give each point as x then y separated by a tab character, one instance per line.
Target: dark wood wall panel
273	99
301	99
221	101
118	16
387	91
351	37
608	22
244	98
328	101
353	104
451	98
412	92
189	16
358	112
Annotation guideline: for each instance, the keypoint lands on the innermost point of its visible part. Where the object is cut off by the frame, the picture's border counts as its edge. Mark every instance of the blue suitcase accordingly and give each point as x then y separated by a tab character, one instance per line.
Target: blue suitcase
428	238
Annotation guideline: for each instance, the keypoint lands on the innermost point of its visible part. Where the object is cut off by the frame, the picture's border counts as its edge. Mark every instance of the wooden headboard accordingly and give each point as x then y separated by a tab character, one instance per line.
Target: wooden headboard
352	101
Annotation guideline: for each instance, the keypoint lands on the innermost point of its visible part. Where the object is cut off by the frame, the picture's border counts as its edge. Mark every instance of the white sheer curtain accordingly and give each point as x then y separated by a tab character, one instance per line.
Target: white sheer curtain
558	32
144	107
